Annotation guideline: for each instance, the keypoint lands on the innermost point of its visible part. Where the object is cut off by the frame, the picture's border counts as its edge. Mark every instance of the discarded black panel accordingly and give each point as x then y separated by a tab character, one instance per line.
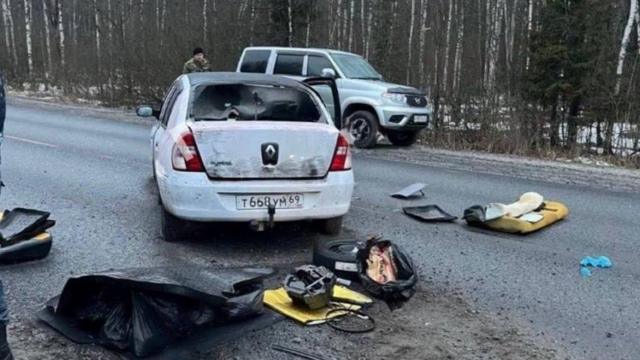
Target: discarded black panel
23	237
21	224
142	311
27	250
429	213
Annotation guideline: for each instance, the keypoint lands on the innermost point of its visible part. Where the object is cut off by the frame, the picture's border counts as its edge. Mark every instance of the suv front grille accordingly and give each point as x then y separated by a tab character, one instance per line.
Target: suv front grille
417	101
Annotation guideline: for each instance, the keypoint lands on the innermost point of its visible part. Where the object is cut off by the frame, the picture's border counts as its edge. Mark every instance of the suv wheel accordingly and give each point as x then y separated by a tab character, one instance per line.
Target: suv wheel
331	226
173	228
363	127
403	138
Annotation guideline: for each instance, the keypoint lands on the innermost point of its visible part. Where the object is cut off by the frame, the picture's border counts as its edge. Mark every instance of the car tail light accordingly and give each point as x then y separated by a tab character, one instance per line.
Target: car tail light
342	157
185	156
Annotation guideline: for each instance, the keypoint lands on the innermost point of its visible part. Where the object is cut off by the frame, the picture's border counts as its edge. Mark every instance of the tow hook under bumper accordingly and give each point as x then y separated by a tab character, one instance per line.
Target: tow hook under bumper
259	226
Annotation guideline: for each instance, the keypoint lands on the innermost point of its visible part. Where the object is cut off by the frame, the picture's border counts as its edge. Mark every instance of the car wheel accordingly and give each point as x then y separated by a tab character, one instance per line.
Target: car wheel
403	138
339	256
331	226
363	127
173	228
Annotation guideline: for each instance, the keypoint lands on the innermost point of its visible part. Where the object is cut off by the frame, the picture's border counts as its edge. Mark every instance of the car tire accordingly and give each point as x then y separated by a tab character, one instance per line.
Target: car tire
403	138
339	256
331	226
173	228
363	127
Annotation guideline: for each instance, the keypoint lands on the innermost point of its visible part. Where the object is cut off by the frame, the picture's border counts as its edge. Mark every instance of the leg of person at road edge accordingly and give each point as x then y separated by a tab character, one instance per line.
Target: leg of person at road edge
5	351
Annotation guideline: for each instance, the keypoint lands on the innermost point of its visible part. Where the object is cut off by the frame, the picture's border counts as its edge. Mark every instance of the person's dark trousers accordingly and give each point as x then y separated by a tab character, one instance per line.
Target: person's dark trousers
5	351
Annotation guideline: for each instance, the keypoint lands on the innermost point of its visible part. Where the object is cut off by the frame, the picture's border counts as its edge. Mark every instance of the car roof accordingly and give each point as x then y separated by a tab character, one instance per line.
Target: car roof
210	78
282	48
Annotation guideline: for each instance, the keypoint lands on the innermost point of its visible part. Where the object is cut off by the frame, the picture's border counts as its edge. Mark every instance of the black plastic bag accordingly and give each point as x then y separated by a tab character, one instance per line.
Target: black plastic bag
400	290
142	311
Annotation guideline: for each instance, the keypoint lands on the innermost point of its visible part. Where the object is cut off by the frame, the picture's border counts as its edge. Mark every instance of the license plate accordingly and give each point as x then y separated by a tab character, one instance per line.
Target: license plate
280	201
420	119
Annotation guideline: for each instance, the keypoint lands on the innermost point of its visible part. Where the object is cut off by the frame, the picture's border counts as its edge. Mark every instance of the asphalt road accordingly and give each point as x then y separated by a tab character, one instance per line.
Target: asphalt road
93	173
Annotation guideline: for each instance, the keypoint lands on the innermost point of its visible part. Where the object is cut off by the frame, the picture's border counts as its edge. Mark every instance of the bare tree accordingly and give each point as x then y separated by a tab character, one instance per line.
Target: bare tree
624	44
47	38
410	44
28	21
10	31
60	22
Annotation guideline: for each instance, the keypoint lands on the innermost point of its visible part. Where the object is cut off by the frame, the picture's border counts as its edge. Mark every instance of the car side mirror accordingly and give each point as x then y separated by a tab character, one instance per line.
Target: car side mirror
147	111
328	73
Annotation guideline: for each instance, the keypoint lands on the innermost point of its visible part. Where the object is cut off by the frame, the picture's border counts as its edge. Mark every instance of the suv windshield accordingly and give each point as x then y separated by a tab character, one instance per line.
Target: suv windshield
253	102
355	67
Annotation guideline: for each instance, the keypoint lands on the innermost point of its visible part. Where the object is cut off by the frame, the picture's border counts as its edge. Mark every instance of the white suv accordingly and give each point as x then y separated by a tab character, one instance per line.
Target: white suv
370	105
260	149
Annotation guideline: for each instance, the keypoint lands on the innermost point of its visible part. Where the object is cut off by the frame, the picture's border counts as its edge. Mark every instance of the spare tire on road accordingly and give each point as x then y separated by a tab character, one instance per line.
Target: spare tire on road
339	256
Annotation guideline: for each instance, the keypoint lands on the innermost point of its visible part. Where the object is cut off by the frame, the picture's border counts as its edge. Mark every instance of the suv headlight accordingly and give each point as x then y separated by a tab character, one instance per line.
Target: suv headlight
395	98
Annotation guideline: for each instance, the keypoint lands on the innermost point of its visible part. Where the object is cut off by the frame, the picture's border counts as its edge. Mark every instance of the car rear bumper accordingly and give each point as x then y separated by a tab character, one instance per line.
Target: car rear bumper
193	196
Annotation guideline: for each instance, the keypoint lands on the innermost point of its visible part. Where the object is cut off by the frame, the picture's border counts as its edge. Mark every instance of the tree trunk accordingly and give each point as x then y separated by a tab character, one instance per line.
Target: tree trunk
11	34
163	17
423	40
351	12
572	122
457	60
369	25
307	34
445	71
61	50
626	37
47	40
410	43
290	22
96	18
205	30
363	25
28	21
529	29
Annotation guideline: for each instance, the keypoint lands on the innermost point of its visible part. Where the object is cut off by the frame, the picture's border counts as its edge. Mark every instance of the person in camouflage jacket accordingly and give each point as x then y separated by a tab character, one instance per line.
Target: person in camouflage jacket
198	63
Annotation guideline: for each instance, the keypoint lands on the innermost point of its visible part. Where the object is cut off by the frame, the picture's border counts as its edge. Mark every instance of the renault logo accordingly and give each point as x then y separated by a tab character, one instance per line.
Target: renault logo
270	154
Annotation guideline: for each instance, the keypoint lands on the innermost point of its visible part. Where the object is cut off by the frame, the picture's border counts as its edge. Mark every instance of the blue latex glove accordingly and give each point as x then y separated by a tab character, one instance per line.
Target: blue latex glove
585	272
602	262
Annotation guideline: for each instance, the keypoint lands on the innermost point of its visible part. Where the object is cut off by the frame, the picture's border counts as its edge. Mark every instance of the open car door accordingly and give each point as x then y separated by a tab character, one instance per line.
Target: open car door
327	91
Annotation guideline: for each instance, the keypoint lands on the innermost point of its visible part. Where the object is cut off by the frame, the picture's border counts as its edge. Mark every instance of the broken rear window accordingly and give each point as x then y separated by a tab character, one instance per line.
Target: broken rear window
250	102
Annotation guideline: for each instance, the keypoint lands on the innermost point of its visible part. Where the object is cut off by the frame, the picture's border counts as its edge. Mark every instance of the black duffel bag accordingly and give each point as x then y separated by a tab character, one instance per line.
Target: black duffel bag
403	287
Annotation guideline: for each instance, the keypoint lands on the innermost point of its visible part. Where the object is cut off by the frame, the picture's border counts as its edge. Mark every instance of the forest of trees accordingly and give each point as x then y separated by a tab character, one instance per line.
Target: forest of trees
544	77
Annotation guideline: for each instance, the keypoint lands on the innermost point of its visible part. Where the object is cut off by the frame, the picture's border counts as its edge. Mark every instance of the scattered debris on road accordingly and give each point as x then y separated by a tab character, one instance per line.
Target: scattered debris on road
429	213
339	256
140	312
529	214
23	235
310	286
342	298
411	191
586	263
296	352
386	271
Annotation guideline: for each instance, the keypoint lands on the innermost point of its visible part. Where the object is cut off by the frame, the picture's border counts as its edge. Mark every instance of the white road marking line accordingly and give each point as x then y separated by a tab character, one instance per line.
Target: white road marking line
31	141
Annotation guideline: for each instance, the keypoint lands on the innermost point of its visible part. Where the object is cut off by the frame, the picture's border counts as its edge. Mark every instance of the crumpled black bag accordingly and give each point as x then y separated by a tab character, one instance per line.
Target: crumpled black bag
400	290
142	311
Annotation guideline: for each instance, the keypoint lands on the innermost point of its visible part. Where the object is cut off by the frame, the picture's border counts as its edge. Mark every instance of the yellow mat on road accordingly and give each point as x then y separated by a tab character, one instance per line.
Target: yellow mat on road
279	301
552	212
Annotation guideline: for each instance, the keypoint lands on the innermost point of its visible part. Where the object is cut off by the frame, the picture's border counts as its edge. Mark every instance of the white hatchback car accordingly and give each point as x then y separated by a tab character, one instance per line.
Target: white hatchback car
261	149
